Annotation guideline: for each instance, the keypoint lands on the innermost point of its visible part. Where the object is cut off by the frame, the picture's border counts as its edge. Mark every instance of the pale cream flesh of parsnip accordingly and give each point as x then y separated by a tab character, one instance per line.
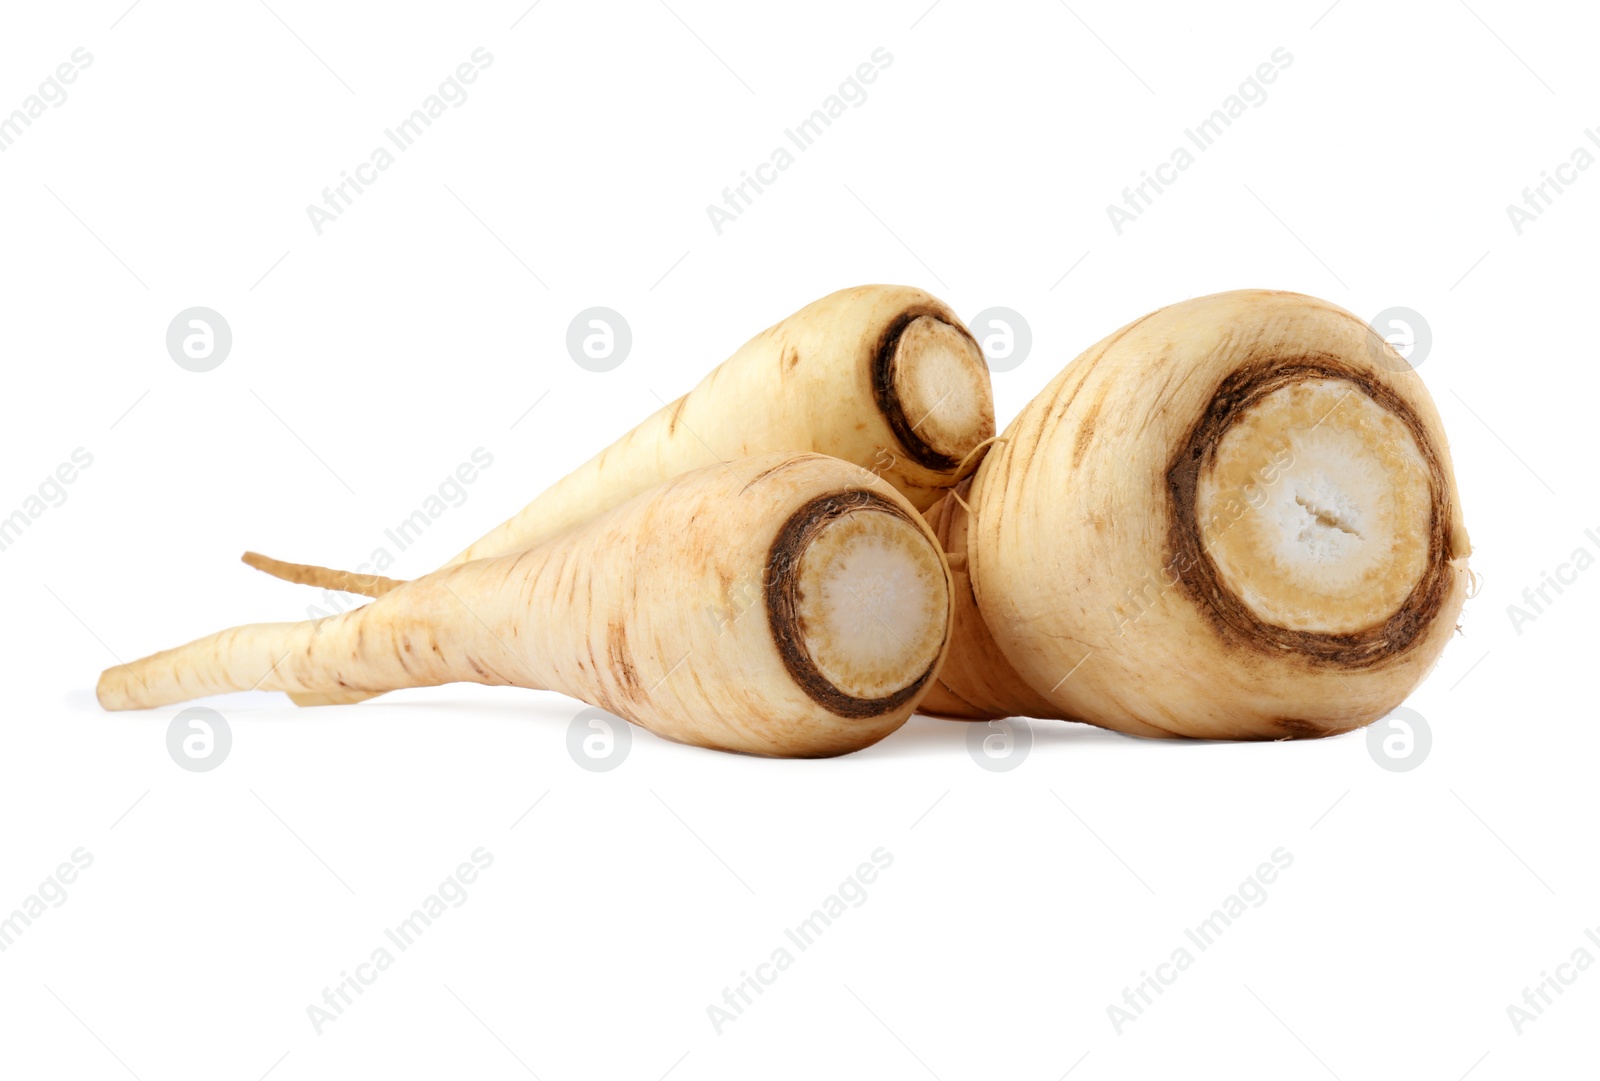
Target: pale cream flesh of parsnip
1233	518
773	605
1340	538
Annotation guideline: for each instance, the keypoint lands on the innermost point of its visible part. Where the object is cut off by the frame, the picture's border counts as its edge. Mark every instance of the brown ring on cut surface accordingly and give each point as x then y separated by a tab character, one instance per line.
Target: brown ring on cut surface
1197	573
783	603
888	402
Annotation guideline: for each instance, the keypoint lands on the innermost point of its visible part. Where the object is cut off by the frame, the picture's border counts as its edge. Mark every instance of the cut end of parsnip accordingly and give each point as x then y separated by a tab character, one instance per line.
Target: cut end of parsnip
1315	508
1233	518
859	603
940	389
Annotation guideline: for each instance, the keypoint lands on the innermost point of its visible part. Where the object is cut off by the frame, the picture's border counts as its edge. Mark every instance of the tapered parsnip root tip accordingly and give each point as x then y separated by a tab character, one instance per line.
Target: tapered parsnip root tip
857	601
368	585
111	690
932	386
1233	518
776	608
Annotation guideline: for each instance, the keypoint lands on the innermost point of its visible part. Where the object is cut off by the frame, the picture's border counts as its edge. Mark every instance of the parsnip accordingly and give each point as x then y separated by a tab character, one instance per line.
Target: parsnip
772	605
1233	518
884	376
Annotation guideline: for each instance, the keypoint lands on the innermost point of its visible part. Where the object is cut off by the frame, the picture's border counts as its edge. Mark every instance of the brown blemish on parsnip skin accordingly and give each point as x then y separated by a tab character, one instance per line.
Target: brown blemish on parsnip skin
1086	431
1197	574
783	603
889	404
765	473
622	659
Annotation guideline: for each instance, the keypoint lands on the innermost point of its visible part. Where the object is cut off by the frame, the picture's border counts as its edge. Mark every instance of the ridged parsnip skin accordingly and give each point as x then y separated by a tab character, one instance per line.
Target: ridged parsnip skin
675	611
1093	572
884	376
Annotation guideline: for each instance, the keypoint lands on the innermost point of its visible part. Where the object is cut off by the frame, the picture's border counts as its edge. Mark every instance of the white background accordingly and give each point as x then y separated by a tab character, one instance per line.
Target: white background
369	361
